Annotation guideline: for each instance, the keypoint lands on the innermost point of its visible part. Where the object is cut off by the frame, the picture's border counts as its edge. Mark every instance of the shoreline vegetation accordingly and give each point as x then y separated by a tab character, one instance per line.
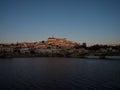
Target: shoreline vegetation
58	47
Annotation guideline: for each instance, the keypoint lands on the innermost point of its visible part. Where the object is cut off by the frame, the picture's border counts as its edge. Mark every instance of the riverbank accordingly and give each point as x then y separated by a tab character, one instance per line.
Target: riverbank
69	56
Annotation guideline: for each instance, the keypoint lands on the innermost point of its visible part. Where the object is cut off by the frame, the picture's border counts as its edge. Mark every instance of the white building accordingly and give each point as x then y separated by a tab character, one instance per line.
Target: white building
24	50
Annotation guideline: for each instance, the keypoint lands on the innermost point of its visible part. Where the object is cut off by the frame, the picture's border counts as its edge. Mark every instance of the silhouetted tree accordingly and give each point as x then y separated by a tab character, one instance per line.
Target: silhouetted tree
83	45
43	41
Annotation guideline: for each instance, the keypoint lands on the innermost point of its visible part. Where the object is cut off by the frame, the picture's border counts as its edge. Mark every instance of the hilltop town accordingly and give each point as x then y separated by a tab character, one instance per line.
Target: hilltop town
56	47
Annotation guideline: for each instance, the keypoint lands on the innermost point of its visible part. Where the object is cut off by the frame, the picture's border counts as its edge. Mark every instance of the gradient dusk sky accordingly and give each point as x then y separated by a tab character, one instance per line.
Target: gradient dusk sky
90	21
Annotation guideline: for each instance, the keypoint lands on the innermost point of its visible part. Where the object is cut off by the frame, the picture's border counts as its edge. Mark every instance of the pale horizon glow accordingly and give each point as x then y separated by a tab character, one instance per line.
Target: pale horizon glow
90	21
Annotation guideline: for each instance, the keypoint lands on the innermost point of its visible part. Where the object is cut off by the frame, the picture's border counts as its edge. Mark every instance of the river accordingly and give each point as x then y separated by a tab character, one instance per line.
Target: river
59	74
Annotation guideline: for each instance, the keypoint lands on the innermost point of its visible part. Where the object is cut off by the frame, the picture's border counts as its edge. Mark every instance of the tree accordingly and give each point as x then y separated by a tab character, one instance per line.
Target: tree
84	45
43	41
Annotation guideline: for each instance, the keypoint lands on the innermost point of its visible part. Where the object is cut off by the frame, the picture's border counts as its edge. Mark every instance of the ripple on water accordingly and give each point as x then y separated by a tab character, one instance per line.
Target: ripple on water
94	84
44	74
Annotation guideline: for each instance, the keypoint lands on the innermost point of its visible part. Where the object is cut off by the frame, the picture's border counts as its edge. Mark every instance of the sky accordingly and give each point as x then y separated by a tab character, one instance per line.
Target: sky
90	21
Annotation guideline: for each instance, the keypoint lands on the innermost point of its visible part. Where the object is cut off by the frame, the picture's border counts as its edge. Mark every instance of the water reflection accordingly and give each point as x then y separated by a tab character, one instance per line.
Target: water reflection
59	73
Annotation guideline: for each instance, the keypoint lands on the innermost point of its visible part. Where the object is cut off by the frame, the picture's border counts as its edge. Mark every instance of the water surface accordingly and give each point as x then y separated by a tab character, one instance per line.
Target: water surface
59	74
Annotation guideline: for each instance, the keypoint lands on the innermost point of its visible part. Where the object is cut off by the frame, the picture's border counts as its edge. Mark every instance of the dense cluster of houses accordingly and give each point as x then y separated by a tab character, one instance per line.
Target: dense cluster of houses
54	46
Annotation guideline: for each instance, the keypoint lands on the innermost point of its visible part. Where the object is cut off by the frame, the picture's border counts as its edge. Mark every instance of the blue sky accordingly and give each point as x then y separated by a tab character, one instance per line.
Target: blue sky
90	21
